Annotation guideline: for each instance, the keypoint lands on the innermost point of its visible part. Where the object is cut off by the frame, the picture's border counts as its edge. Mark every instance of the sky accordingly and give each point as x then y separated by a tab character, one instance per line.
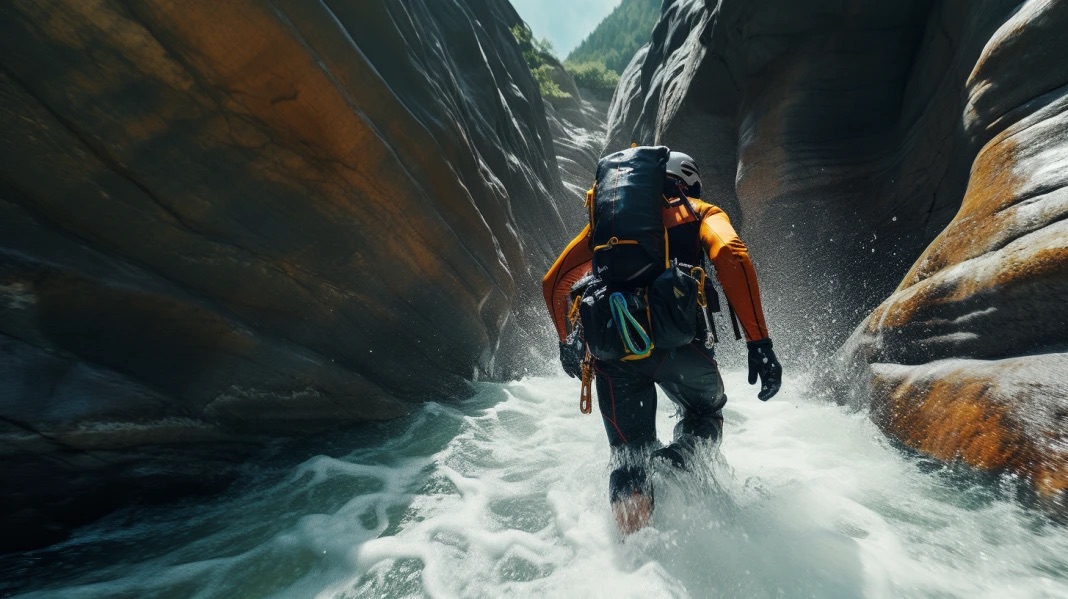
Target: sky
565	22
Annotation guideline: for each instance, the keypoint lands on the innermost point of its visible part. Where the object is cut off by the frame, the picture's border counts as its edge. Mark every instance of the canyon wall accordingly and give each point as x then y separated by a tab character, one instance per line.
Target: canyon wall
968	358
224	222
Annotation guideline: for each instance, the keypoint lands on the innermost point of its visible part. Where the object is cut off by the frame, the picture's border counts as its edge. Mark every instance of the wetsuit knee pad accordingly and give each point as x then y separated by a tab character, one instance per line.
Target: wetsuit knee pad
628	480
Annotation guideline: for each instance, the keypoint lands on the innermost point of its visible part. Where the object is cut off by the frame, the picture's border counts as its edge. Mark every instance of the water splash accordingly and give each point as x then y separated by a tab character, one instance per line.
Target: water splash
506	494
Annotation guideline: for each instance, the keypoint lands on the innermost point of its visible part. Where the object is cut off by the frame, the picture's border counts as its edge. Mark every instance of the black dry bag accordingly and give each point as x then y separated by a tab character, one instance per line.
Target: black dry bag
628	237
673	308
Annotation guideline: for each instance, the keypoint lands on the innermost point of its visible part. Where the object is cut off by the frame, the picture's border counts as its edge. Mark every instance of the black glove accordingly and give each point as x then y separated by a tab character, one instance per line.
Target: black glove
572	352
762	361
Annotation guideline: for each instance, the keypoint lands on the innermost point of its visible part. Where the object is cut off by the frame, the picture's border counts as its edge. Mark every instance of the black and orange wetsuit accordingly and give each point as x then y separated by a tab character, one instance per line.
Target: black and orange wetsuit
689	375
710	227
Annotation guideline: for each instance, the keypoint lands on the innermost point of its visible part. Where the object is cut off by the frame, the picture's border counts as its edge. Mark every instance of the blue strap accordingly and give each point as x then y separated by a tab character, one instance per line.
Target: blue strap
622	317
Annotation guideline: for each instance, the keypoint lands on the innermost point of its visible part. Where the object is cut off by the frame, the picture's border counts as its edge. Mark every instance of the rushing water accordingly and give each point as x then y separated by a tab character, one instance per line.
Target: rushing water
506	495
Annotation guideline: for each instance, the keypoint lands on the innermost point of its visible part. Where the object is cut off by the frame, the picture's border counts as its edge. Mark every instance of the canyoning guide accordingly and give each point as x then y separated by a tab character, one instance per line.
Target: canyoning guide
630	300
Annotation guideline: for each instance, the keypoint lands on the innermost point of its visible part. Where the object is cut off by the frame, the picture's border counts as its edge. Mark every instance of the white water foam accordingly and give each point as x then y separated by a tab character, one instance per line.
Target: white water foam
506	495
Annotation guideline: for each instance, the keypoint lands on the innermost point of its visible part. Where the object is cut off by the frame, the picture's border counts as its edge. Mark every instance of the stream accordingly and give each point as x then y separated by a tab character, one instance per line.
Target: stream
505	494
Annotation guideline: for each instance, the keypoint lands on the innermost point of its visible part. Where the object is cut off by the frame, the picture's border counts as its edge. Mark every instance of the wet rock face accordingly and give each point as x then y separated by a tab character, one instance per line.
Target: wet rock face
229	221
844	139
830	133
970	350
578	127
578	132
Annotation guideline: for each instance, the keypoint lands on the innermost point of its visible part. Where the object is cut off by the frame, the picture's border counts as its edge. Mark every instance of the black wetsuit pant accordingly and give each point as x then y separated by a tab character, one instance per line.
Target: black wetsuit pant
626	395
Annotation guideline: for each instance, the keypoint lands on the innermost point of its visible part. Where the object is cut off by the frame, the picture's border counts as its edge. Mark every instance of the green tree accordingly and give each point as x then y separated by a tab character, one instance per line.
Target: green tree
619	36
594	76
543	75
540	57
544	46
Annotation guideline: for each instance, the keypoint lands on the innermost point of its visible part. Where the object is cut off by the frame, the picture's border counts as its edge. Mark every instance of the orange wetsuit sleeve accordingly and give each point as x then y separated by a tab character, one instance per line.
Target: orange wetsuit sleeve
571	266
734	270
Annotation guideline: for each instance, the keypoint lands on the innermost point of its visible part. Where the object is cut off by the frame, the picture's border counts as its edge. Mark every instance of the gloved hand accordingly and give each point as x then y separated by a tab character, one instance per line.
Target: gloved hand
572	353
762	361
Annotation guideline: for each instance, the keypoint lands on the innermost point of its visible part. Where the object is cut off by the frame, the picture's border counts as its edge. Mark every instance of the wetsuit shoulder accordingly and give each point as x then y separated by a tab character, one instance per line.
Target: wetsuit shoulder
572	264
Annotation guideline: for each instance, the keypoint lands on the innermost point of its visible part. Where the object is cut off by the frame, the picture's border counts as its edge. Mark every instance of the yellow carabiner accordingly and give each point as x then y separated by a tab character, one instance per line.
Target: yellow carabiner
573	313
694	272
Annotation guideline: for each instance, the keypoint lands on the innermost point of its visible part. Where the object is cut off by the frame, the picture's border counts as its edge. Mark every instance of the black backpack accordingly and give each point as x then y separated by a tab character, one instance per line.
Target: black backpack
635	298
627	235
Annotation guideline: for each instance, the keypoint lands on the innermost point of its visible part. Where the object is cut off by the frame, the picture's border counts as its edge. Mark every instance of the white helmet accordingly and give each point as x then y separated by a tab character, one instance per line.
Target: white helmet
683	167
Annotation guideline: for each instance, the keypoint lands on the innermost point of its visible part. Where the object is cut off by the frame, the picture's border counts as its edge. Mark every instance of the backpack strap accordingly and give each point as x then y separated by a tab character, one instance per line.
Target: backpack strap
734	321
589	208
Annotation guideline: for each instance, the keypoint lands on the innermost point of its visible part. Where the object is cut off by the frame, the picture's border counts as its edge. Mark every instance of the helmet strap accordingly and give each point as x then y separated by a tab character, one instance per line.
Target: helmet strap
686	198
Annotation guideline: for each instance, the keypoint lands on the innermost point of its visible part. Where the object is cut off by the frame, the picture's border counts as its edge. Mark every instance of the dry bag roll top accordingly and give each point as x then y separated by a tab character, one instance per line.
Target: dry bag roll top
628	237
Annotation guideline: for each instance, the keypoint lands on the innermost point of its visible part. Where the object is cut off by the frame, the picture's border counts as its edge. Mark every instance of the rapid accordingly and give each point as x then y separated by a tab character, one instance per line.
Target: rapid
505	494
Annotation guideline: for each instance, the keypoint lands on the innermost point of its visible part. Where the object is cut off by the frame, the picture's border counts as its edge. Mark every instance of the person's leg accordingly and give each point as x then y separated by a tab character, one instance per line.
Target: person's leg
627	400
690	377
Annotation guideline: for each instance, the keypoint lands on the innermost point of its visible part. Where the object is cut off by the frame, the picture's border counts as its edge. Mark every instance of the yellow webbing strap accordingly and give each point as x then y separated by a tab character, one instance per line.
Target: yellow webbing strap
614	242
633	357
589	205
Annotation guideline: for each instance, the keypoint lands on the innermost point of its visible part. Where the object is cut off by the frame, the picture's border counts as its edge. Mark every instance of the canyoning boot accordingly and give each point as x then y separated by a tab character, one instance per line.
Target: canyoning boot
691	432
697	429
673	454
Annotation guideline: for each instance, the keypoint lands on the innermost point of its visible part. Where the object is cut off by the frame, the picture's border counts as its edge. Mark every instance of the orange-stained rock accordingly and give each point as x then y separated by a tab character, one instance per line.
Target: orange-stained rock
966	358
222	222
994	415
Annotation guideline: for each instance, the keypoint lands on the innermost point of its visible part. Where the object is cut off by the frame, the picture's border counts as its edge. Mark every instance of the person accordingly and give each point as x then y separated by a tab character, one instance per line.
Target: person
688	375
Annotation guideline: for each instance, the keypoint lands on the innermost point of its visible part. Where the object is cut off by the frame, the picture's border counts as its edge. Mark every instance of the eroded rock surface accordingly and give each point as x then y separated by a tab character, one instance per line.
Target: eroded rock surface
579	128
221	222
993	286
843	139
